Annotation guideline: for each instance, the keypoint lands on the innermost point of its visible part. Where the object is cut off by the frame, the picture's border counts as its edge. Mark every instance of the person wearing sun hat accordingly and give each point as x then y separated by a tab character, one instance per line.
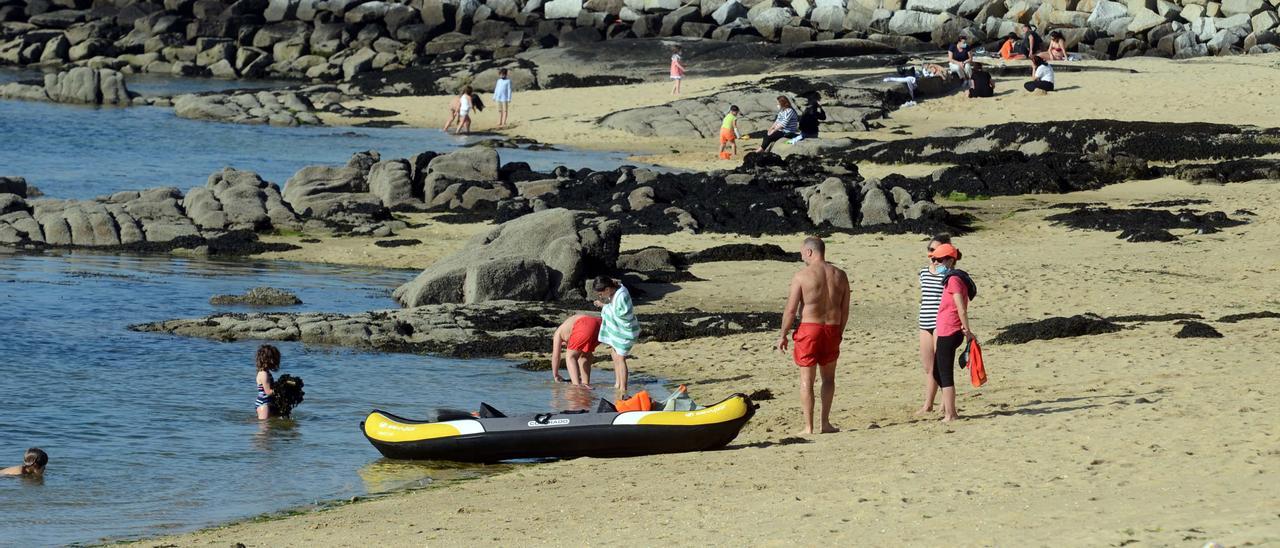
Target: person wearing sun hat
951	329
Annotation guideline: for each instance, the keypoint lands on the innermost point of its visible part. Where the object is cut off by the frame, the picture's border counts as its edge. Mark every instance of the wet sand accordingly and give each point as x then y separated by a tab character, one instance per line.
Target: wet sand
1133	436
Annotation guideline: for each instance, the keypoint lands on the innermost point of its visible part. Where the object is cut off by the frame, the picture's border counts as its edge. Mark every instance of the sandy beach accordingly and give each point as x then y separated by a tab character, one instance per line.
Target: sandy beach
1113	439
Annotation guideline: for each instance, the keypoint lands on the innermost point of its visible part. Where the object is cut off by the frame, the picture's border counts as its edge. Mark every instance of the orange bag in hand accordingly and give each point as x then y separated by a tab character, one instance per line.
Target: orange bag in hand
638	402
977	373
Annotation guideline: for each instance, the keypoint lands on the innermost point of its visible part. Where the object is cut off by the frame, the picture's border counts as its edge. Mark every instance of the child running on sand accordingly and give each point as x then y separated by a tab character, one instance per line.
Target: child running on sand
580	333
729	133
267	360
464	111
677	69
502	96
619	327
33	464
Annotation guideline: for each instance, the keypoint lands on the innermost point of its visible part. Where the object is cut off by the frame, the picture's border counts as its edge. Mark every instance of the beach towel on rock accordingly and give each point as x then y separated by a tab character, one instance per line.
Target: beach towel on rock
619	328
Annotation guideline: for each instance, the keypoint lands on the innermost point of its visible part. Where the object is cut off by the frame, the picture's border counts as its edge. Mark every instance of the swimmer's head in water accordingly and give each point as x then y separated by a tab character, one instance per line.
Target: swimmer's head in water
34	461
268	358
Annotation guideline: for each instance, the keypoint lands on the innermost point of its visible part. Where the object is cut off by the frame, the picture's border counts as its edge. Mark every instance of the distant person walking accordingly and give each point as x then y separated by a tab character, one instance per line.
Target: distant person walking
454	107
951	329
619	327
579	335
927	319
266	361
820	294
729	132
785	126
502	96
1042	78
677	70
465	101
33	464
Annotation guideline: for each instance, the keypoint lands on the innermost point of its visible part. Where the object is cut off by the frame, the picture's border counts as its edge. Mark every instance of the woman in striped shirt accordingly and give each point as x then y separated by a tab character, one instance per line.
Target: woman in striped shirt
785	126
930	298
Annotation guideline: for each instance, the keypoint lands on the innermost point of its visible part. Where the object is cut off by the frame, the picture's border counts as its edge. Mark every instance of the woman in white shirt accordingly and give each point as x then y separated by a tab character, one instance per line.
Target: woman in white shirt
1041	76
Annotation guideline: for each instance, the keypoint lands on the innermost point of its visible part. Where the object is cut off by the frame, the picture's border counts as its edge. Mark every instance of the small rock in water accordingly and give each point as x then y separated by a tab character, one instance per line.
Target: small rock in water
1197	330
258	296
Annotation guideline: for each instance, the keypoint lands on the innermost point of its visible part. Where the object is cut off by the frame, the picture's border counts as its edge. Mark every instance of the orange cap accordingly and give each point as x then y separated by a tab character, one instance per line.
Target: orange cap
945	250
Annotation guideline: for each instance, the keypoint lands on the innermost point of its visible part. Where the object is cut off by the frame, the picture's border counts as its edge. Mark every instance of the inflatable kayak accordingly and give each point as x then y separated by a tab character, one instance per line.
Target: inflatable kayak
493	437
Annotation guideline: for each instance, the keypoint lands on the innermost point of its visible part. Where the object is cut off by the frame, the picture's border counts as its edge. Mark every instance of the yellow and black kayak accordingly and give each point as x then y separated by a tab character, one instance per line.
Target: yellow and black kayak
496	437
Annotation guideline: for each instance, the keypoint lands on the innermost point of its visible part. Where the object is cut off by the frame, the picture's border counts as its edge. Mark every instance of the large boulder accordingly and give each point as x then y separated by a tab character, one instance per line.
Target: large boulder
331	192
769	22
829	203
728	12
392	182
88	86
546	255
914	22
562	9
467	164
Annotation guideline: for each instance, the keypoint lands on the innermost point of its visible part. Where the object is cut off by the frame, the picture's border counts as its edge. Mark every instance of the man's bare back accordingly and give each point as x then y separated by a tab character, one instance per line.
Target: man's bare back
824	294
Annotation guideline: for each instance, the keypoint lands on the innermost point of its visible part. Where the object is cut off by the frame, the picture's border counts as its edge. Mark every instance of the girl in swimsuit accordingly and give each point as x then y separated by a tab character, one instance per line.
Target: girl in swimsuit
268	360
1057	48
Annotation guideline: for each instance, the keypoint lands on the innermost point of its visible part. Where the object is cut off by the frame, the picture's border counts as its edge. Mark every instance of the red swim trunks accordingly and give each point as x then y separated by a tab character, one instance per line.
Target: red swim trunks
816	344
585	334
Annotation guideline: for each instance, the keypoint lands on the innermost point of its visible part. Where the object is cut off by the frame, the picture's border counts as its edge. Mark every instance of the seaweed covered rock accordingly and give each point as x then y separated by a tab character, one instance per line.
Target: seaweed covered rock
546	255
1197	330
1144	225
1056	328
258	296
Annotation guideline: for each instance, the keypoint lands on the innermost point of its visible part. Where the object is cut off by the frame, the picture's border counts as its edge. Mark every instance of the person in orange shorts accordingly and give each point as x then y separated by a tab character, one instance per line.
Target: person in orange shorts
820	293
579	337
729	133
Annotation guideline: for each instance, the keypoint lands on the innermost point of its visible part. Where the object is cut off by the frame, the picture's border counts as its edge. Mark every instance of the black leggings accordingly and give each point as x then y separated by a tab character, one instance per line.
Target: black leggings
1038	84
944	359
771	138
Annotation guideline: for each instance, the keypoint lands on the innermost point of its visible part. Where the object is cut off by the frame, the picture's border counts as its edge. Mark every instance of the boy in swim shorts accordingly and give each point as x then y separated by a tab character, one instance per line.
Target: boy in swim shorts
729	133
580	335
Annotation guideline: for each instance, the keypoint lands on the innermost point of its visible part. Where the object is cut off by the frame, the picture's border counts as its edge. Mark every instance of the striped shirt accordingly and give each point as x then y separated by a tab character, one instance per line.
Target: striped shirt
788	120
930	298
619	327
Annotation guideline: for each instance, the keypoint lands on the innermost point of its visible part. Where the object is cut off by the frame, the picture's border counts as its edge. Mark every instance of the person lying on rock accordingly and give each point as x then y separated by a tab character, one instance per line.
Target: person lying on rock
619	327
1042	78
33	464
785	126
581	335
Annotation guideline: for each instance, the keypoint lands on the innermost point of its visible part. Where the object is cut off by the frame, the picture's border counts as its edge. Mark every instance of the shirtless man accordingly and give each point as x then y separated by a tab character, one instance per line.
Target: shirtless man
580	333
821	292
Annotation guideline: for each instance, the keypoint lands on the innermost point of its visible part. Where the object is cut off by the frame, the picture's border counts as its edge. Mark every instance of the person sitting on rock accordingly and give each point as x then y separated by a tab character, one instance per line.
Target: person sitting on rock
33	464
810	119
1008	48
785	126
981	84
960	58
1031	43
1057	50
1042	79
580	334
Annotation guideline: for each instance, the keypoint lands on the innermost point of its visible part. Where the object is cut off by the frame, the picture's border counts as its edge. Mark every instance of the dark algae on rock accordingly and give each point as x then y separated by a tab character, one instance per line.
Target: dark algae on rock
1144	225
1056	328
1197	330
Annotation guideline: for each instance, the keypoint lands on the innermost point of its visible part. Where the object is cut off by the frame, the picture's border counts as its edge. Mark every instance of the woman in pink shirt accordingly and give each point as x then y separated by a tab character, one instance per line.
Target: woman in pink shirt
952	326
677	70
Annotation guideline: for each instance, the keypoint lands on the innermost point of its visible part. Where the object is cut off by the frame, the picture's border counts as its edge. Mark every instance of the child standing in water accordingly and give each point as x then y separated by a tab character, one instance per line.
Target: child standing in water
729	133
464	111
677	70
268	360
33	464
502	96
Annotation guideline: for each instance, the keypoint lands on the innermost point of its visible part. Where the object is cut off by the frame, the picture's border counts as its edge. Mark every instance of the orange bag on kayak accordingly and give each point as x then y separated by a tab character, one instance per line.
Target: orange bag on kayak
638	402
977	373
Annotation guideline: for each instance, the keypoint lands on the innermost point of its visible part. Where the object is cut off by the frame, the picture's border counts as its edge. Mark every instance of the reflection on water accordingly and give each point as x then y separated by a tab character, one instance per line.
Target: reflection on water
152	433
386	475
